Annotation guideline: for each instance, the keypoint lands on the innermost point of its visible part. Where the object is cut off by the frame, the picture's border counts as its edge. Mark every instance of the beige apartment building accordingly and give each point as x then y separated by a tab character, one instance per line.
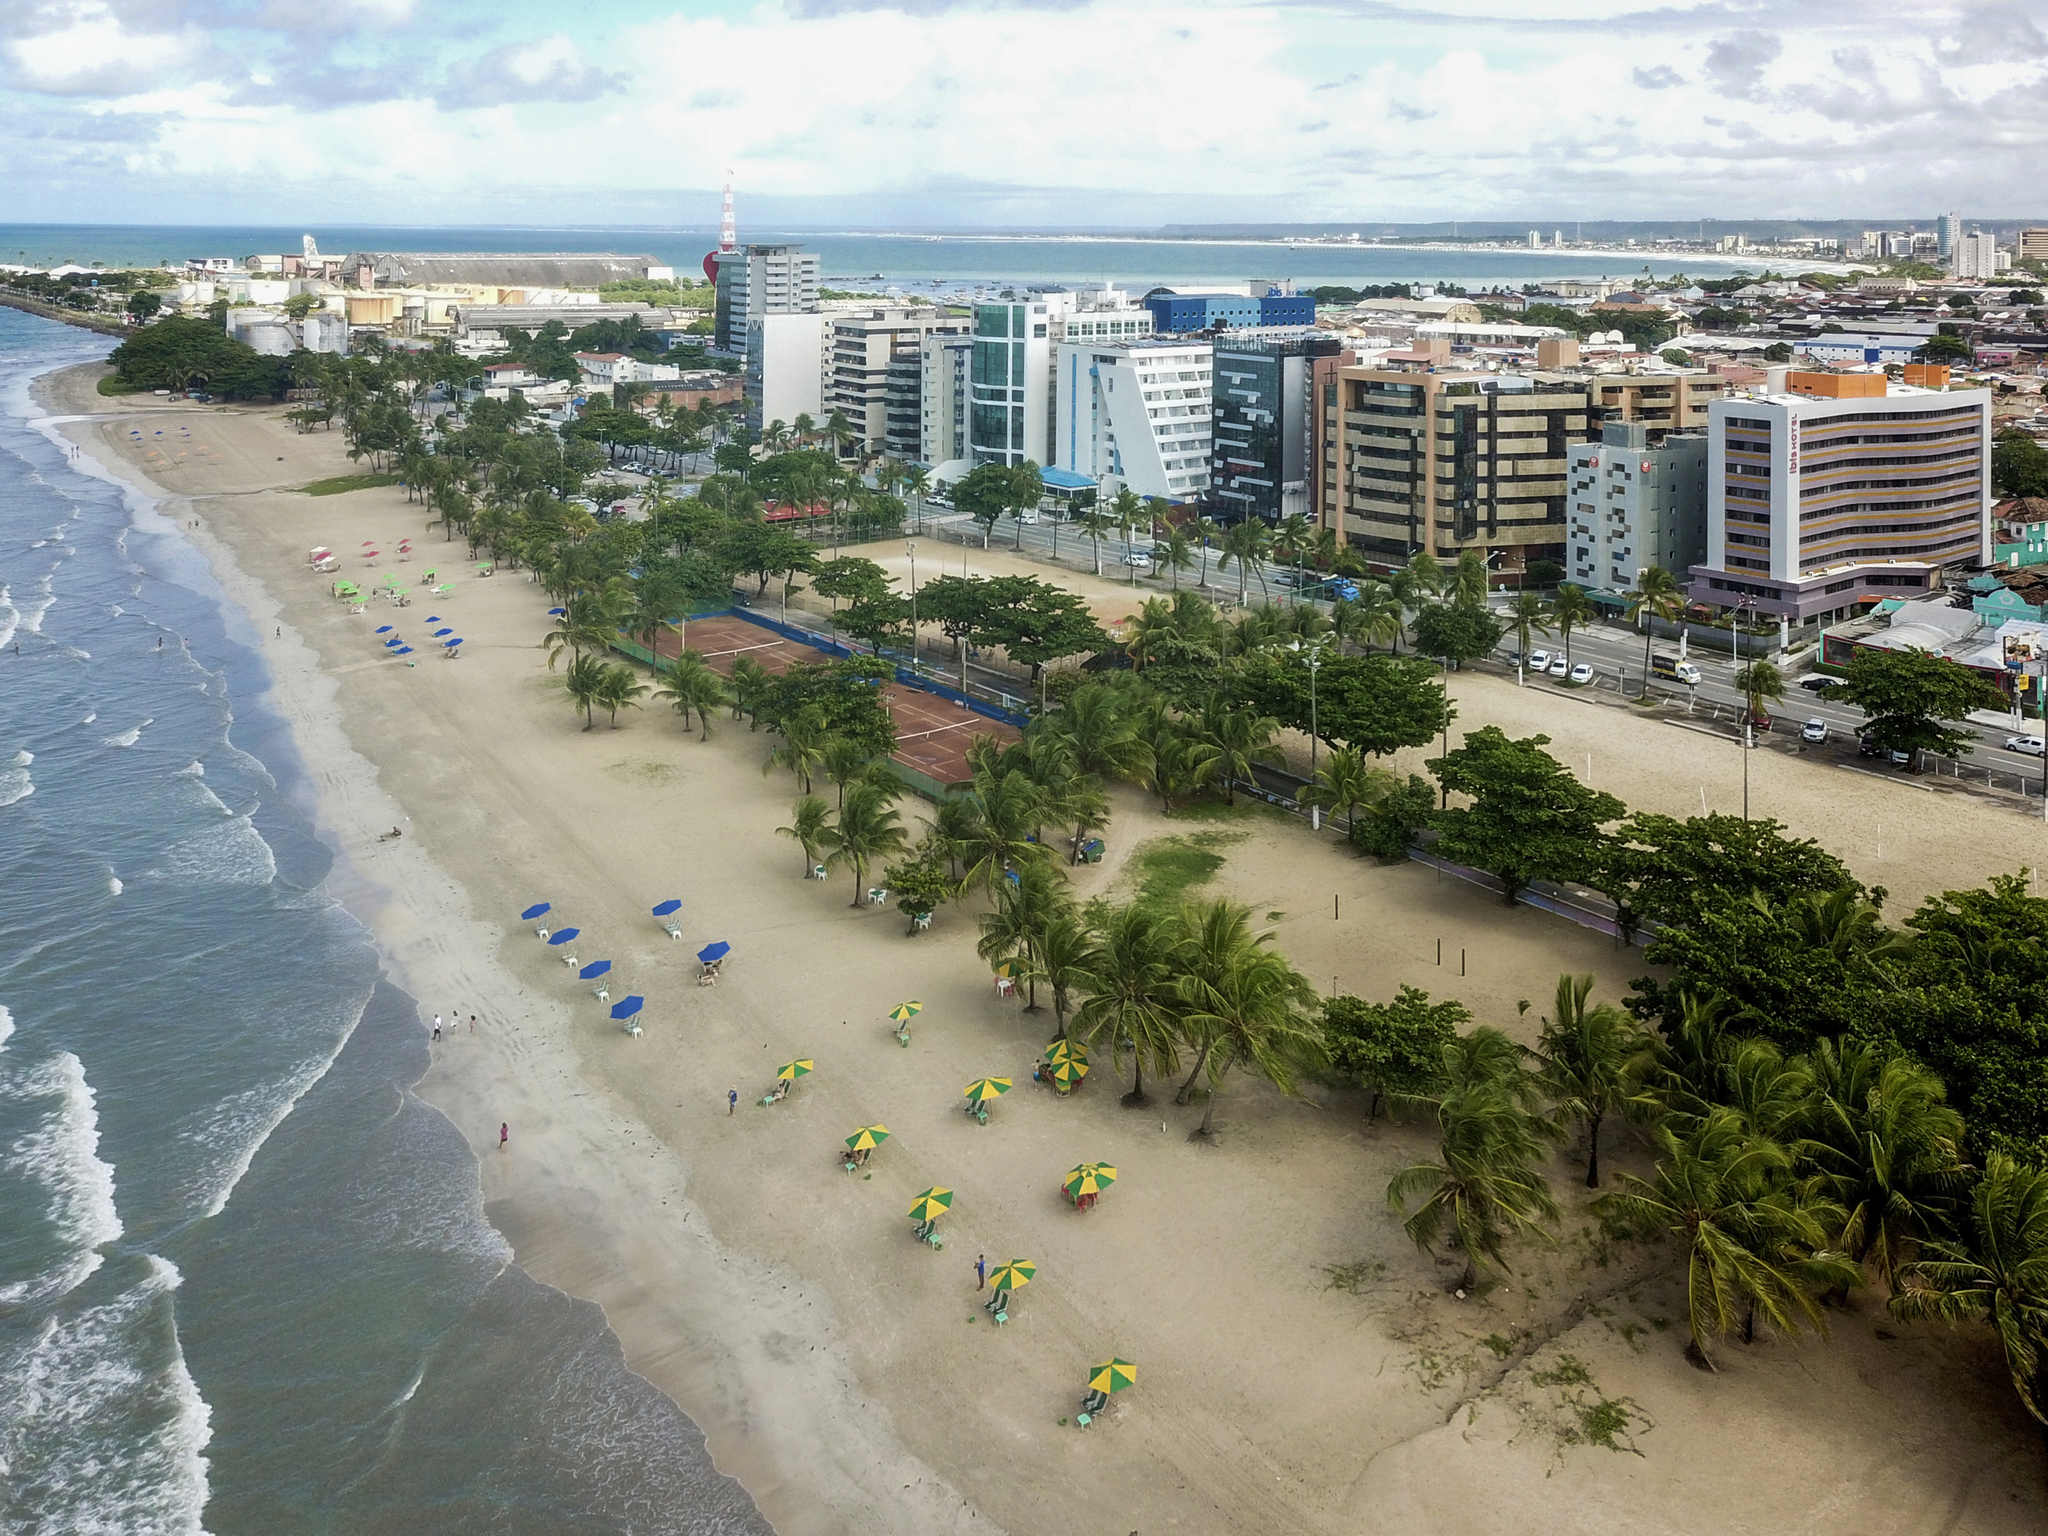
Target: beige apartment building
1657	402
2032	245
1445	462
861	351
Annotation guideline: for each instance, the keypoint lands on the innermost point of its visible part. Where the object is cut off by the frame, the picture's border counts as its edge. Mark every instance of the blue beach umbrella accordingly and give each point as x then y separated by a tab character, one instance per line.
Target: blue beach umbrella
663	908
433	618
718	949
556	613
384	629
394	640
564	935
626	1007
444	630
595	969
536	910
450	645
403	650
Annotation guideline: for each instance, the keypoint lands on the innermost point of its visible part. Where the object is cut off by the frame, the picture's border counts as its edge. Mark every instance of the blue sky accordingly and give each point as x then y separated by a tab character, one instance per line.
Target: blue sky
1061	112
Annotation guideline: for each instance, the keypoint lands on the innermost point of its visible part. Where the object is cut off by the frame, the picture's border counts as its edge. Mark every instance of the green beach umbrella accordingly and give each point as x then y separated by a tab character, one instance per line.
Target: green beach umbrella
1112	1376
868	1137
932	1204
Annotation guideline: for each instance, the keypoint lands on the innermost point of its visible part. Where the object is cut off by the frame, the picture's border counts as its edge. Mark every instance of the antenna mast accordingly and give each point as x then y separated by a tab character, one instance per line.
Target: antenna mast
728	229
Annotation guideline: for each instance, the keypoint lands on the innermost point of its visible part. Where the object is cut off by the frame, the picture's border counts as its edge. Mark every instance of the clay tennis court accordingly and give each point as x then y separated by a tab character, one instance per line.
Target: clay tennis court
932	733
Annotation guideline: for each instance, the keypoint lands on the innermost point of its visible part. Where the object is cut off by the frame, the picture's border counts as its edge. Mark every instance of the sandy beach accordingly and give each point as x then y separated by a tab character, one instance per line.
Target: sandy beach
1302	1368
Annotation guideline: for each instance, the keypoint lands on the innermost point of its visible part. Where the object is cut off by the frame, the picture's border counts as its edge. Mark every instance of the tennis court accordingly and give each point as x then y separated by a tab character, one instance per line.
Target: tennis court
932	733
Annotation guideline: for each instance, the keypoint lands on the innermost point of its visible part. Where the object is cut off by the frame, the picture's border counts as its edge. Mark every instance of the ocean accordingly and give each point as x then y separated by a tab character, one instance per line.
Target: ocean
246	1282
914	262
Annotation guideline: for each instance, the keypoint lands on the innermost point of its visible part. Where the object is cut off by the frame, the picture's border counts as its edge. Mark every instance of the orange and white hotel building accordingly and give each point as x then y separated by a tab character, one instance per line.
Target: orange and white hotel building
1842	489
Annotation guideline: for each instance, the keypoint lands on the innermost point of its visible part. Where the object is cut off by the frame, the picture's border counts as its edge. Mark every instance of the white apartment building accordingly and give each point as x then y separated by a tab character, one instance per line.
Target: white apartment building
866	351
1634	503
785	373
760	280
942	364
1136	413
1010	374
1975	255
603	370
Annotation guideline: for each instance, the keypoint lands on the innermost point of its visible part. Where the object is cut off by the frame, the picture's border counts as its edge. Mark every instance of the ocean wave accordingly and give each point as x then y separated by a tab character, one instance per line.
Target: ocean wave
192	770
114	885
6	1026
15	784
62	1155
32	612
22	758
110	1437
91	715
10	617
233	853
129	737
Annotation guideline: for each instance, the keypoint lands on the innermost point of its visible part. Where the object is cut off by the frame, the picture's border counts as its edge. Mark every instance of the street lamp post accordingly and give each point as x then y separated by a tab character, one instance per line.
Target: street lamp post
1748	712
910	549
1312	658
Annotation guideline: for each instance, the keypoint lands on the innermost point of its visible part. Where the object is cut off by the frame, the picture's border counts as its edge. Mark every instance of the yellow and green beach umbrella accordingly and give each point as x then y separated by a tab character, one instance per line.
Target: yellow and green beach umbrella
792	1070
868	1137
1066	1071
932	1204
1013	1276
1089	1179
1007	969
1067	1050
1112	1376
982	1089
903	1013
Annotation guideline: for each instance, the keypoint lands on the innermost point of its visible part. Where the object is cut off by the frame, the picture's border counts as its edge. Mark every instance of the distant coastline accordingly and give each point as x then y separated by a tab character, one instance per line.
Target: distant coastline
58	312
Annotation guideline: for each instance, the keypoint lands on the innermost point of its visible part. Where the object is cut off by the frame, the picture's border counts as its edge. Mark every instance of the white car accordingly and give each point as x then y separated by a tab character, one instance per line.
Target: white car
1815	729
1582	673
1138	559
1559	667
2032	746
1539	661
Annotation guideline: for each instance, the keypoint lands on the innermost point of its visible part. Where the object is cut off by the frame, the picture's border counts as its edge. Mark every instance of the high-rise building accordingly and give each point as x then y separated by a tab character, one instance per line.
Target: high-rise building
1975	256
760	280
1638	499
1442	462
1264	418
1535	239
1843	490
2032	245
1135	413
1948	234
1010	383
865	349
1662	402
785	371
942	365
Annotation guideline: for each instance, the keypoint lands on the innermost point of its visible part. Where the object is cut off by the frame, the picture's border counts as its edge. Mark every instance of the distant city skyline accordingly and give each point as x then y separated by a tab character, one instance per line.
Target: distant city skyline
1112	114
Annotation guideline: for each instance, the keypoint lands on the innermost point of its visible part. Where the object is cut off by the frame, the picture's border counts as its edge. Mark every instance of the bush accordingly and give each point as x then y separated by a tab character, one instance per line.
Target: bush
1387	831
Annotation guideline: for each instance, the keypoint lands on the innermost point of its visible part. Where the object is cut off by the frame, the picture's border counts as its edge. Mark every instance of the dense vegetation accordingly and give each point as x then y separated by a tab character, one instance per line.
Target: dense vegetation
183	353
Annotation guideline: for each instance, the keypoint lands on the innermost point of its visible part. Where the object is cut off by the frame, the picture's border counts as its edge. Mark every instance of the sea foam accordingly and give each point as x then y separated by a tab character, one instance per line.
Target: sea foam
15	784
129	737
62	1155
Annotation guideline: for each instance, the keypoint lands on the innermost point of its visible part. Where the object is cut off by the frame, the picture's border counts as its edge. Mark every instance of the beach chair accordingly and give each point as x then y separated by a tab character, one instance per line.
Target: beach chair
1094	1402
570	961
903	1034
540	931
921	923
877	894
674	928
602	993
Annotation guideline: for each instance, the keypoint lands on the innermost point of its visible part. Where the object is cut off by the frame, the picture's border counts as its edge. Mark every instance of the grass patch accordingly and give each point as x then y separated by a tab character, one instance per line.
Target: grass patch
1355	1279
337	485
1169	867
114	384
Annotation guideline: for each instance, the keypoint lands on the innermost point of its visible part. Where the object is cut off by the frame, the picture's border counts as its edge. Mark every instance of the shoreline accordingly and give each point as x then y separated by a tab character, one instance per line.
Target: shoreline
98	324
399	891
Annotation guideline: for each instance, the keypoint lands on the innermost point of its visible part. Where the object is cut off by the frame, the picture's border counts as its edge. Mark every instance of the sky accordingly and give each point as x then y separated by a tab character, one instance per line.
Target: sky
1045	113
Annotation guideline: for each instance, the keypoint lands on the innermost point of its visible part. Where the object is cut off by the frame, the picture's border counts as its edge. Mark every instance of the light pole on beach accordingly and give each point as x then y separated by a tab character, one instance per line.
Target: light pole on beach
1312	658
1748	706
910	549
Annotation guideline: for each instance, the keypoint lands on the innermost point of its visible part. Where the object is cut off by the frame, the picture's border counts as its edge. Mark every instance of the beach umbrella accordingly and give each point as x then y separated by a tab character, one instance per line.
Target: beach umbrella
790	1071
1111	1376
982	1089
384	629
663	908
556	613
394	640
1066	1071
564	935
433	618
868	1137
932	1204
1006	968
536	910
1067	1050
716	950
1089	1179
449	645
626	1007
1013	1276
903	1013
595	969
444	630
403	650
367	543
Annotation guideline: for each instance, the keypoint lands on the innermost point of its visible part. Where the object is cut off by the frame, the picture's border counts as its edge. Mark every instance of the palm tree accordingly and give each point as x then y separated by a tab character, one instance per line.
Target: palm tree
1996	1274
955	825
918	482
846	762
1761	683
1126	512
809	819
1344	782
587	622
1229	740
1371	618
1099	733
1014	932
1151	628
1294	540
1656	595
1130	998
1006	809
689	684
1486	1182
1095	521
1176	552
1569	609
1528	616
620	688
1888	1146
869	829
1066	959
1755	1239
1239	1002
584	682
1468	581
1592	1061
748	684
802	750
1170	759
1247	542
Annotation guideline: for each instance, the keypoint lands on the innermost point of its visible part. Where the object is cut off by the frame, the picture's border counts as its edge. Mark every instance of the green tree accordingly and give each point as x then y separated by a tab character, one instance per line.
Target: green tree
620	688
922	882
1026	903
1593	1059
587	622
1945	349
1527	616
1456	633
1570	609
1760	683
1129	1001
1529	818
1666	870
1390	827
1910	696
809	820
1344	782
1229	742
144	305
689	684
2019	464
1997	1274
1002	811
802	748
1239	1003
868	829
585	682
1247	542
984	494
1656	595
1392	1049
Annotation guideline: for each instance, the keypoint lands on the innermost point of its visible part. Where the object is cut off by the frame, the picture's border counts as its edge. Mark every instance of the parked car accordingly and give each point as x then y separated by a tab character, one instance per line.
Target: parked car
1865	747
1813	682
1539	661
1582	673
2033	746
1815	729
1511	656
1138	558
1559	667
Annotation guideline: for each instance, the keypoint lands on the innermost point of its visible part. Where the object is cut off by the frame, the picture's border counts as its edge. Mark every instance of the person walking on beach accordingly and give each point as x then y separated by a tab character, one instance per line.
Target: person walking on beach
980	1270
732	1100
437	1026
504	1134
472	1023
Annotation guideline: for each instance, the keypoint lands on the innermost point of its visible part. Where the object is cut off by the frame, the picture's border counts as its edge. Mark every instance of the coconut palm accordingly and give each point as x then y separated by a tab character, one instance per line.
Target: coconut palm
584	682
1176	552
1755	1240
1592	1060
1005	810
1371	618
1238	1002
1344	781
1996	1274
1570	609
1247	542
1656	595
802	749
1468	581
1094	521
619	688
1294	540
869	829
689	684
1066	959
587	622
809	819
1130	1000
1761	683
1127	513
1152	629
1099	733
1486	1182
846	762
1014	931
1170	759
955	825
1528	616
747	685
1886	1142
1229	740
